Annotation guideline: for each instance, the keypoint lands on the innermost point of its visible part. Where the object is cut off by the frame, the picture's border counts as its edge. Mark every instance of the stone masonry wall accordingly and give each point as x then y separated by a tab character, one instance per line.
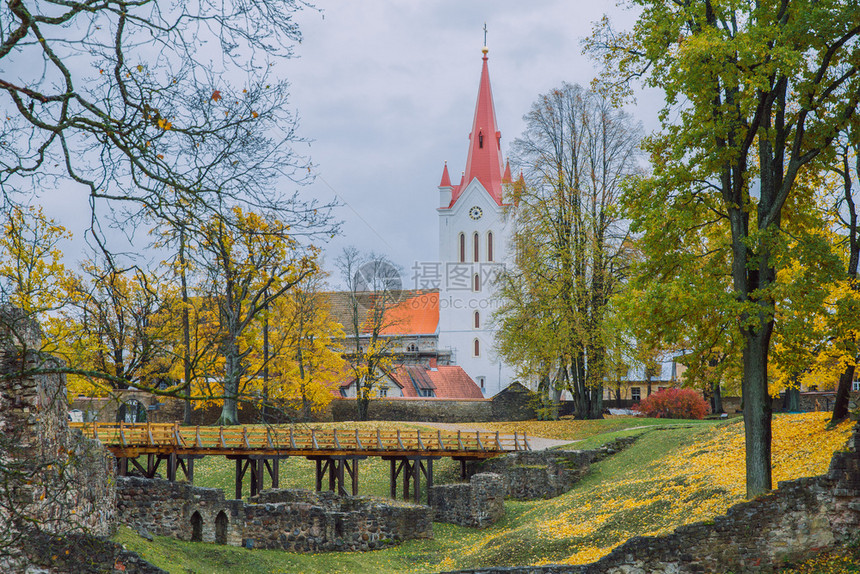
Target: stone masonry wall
477	504
760	535
165	508
298	521
306	521
57	496
532	475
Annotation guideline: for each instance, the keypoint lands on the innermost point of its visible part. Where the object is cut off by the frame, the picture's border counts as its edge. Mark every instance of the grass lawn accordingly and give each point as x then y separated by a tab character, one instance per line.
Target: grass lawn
671	476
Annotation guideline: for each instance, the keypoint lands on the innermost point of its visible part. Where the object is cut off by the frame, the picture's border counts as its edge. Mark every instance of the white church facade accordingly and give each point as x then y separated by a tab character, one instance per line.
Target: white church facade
443	330
474	232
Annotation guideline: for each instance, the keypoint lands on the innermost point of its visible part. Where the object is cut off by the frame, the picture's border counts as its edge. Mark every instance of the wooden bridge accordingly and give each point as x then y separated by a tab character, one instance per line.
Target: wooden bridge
257	451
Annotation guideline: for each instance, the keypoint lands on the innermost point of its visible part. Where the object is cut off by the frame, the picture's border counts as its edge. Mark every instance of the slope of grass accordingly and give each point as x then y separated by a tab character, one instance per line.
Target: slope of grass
671	476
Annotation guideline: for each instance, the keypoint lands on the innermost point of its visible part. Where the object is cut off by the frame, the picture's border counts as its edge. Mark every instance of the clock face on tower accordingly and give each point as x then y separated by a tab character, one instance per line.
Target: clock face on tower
476	213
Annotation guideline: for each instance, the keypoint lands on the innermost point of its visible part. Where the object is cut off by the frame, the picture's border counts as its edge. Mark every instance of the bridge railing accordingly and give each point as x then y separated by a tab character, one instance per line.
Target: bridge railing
266	438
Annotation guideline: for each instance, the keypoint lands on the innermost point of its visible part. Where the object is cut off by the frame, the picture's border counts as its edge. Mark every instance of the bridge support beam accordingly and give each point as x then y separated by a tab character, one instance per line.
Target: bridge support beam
412	468
337	468
256	467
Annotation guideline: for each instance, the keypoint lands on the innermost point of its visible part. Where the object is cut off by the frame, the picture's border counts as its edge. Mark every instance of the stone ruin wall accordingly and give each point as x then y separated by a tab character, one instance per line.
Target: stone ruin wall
293	520
51	475
534	475
801	517
477	504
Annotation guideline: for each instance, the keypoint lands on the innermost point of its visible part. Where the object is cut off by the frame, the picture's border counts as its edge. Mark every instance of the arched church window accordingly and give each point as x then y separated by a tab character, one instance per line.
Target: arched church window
481	140
476	248
477	348
476	282
489	246
477	322
462	248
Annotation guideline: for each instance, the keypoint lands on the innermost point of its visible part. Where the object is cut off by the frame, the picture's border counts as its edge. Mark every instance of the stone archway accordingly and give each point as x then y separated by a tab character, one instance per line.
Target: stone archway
221	524
196	527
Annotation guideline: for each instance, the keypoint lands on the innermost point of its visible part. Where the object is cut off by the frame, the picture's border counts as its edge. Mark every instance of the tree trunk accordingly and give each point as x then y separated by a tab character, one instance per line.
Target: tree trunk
716	398
791	404
840	407
186	330
232	374
362	401
757	411
649	372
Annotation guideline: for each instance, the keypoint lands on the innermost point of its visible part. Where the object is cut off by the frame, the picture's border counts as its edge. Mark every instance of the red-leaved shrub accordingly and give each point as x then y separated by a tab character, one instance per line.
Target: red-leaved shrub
674	404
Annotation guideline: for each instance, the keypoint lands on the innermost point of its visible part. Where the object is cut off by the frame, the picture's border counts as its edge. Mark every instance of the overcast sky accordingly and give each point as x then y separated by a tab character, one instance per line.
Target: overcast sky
386	90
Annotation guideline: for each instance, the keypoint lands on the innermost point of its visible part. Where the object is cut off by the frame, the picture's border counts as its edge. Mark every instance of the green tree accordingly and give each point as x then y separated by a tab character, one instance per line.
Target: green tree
755	93
575	152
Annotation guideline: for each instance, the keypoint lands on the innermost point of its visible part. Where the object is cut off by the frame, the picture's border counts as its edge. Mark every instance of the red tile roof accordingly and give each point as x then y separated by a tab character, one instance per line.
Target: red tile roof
448	382
453	382
417	315
417	312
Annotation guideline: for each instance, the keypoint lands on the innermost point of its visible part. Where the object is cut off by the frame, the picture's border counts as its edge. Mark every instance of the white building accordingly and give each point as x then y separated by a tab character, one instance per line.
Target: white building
474	230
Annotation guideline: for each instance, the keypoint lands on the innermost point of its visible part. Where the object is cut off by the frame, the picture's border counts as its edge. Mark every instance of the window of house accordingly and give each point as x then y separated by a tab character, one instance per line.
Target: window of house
480	139
636	394
462	248
477	323
412	348
855	386
477	349
476	282
481	383
490	246
383	391
476	248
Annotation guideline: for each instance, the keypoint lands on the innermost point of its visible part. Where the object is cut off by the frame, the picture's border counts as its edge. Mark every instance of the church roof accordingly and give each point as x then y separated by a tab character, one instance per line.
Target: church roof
415	313
446	179
484	160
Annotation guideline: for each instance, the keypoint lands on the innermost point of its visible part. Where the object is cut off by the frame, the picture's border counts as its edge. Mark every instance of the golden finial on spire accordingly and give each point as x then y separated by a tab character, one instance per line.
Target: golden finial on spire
485	49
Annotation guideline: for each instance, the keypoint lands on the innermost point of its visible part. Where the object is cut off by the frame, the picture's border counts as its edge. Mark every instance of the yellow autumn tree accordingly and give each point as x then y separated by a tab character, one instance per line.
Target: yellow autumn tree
302	363
31	268
249	261
115	332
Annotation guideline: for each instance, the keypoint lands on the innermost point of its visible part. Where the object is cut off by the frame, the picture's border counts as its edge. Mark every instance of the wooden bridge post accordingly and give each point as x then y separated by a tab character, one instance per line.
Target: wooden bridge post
171	467
122	466
255	476
393	477
332	478
274	472
416	477
340	467
407	471
428	476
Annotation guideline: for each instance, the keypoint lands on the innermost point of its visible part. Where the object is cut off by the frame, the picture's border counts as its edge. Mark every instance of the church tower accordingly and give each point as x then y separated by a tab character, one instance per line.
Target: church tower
473	246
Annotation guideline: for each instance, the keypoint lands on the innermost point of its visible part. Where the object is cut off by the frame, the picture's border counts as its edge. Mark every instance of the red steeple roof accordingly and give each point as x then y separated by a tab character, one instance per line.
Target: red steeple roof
485	155
446	179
